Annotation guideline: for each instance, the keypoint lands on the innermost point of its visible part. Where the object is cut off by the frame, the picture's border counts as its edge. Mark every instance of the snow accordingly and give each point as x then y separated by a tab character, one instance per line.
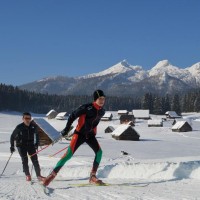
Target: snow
169	162
163	67
121	67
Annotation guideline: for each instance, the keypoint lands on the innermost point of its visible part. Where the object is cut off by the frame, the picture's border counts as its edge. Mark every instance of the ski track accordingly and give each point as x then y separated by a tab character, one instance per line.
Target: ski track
18	189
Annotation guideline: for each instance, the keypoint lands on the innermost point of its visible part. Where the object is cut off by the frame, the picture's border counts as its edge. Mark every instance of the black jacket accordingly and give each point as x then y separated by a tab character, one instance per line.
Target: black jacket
24	135
89	117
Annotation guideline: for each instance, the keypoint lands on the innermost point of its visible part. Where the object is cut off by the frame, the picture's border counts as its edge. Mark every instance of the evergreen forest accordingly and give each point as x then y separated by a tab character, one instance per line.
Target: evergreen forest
14	99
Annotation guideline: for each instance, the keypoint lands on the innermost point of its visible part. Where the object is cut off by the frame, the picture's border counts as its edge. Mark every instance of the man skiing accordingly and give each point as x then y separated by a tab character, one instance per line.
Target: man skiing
26	137
89	116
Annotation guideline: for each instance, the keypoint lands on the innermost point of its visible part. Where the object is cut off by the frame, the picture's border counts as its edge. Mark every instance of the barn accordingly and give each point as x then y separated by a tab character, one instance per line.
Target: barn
181	126
61	116
47	133
107	116
51	114
109	129
172	115
141	114
125	132
125	119
155	123
122	112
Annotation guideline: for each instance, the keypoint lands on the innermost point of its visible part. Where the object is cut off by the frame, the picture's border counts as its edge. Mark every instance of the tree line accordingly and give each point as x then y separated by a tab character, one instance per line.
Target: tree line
14	99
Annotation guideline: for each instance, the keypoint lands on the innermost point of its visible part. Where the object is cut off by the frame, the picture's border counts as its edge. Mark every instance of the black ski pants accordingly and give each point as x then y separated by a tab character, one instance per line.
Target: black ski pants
23	152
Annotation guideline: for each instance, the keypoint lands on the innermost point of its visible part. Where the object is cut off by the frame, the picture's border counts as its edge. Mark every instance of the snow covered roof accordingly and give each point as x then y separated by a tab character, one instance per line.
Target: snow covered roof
122	111
51	111
179	124
61	114
141	113
120	129
172	114
154	122
107	115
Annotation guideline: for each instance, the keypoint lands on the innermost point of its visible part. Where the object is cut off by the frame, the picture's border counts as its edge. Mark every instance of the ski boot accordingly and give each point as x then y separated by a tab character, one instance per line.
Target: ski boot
49	178
94	180
28	178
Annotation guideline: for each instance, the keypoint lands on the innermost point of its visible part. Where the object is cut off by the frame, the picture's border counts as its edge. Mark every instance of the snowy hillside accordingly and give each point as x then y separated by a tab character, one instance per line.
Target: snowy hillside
162	165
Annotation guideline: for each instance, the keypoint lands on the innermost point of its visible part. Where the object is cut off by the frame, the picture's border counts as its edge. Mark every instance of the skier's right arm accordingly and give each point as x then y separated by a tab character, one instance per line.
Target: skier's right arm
12	139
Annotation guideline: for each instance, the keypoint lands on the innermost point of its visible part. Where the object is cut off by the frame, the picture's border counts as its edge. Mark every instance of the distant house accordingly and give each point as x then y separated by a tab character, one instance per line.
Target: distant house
125	119
61	116
181	126
47	133
125	132
122	112
109	129
141	114
107	116
172	115
155	123
51	114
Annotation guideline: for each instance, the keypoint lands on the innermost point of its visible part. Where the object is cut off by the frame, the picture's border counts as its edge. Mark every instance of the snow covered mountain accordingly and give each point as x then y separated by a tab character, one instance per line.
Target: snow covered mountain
124	79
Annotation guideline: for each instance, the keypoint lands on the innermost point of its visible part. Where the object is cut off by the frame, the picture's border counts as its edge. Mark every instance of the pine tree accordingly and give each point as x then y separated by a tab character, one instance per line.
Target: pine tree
176	104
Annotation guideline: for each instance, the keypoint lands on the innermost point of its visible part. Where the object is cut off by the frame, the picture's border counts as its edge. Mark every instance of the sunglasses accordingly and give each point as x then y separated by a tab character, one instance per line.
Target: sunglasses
27	118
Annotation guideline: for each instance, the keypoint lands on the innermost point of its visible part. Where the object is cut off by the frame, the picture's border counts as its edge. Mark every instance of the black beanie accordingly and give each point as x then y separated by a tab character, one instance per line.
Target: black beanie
97	94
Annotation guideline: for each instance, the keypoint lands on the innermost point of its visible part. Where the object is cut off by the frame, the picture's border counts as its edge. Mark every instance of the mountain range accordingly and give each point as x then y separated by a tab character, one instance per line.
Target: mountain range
123	79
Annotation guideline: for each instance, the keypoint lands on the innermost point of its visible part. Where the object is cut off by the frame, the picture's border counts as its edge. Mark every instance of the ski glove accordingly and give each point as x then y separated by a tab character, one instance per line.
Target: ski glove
65	132
12	149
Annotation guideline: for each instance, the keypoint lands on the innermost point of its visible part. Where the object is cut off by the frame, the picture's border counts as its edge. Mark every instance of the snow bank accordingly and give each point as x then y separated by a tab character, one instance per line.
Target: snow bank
127	169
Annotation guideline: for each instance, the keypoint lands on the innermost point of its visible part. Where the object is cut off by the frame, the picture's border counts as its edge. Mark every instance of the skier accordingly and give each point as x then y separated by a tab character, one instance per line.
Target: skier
89	116
26	137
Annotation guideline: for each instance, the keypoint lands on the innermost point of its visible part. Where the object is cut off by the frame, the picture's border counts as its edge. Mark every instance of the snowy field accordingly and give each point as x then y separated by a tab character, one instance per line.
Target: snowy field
163	165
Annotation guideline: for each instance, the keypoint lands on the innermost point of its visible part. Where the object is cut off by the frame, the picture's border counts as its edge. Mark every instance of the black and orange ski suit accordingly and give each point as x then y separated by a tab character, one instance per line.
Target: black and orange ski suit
89	116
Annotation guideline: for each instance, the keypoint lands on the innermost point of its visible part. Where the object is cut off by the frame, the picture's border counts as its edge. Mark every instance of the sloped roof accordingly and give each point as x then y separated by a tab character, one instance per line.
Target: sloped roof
179	124
51	111
172	114
120	129
122	111
107	115
49	130
61	114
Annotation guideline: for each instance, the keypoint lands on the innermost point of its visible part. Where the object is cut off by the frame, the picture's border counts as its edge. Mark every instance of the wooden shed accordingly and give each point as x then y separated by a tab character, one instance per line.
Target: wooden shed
109	129
61	116
107	116
125	119
47	133
122	112
141	114
172	115
125	132
155	123
51	114
181	126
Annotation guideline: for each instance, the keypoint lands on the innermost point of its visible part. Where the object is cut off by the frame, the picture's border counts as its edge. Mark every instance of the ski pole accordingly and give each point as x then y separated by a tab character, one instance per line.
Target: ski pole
39	150
6	164
58	152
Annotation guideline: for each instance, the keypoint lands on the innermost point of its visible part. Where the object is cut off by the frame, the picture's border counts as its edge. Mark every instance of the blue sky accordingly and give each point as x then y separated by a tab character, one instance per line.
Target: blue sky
41	38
